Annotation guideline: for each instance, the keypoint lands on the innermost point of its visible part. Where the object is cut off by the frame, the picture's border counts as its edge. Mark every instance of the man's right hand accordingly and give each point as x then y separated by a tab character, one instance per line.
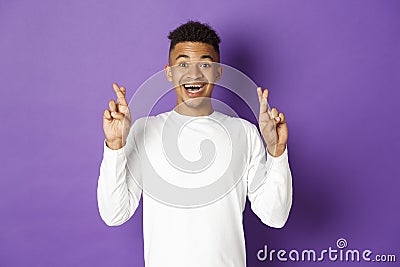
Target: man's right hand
117	119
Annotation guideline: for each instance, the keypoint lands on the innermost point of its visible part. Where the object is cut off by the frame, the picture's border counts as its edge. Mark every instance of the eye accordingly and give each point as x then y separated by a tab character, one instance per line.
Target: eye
205	65
183	64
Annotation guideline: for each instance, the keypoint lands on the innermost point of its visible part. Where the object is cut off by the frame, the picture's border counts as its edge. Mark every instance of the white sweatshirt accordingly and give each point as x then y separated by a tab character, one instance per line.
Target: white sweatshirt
180	230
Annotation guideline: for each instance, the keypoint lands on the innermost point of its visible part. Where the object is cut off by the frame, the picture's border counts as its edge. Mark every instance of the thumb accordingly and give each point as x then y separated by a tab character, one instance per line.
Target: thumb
117	115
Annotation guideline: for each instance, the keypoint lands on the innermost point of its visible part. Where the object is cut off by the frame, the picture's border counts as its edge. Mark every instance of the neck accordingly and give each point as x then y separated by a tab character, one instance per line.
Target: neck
204	110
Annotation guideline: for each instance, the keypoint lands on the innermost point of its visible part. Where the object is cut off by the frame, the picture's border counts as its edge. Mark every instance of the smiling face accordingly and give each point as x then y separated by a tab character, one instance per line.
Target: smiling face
193	68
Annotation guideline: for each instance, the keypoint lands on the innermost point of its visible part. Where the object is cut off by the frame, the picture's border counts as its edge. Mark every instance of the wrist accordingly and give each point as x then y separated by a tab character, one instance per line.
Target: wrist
114	144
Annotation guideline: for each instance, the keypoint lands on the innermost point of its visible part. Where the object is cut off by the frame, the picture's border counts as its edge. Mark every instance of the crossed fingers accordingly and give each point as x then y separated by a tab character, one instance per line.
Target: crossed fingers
273	114
117	110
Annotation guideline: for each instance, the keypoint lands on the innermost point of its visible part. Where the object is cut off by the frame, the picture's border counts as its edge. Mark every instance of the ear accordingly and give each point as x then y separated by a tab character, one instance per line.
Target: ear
168	73
219	73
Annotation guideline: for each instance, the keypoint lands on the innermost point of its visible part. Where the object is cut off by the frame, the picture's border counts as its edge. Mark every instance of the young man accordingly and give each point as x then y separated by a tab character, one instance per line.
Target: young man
202	233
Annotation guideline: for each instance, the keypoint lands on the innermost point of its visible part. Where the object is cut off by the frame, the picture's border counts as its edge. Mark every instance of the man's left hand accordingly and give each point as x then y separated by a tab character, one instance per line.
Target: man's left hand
272	125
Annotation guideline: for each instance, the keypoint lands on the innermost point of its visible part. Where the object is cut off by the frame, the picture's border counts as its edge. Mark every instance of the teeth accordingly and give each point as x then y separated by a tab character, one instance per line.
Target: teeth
192	86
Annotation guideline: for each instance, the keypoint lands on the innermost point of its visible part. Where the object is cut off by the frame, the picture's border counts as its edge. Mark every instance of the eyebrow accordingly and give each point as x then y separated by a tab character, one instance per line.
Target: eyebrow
207	56
202	57
181	55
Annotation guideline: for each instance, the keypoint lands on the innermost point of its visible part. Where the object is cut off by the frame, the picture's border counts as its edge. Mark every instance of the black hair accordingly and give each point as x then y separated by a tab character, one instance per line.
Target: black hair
194	31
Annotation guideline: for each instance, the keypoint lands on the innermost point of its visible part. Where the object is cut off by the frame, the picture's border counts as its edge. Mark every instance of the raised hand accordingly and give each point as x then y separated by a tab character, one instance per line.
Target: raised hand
117	119
272	125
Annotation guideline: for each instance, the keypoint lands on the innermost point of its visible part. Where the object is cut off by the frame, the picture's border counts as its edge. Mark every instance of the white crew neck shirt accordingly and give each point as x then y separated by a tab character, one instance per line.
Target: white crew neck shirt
187	227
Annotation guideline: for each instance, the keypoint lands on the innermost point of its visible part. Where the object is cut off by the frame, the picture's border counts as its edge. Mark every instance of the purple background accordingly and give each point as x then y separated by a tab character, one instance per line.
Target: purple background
331	66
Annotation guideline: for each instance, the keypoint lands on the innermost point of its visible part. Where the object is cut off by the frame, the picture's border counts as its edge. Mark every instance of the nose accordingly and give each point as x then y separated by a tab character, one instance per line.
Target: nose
194	71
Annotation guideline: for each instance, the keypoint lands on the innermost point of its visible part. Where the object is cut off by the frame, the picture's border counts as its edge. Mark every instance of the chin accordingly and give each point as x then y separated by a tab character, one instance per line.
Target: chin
195	102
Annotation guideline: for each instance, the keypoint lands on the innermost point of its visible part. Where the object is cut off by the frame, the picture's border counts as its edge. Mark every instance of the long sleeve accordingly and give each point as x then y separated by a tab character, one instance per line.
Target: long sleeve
118	194
269	183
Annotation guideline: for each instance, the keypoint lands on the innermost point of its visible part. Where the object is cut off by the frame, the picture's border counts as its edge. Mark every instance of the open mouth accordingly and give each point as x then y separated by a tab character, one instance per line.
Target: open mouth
194	89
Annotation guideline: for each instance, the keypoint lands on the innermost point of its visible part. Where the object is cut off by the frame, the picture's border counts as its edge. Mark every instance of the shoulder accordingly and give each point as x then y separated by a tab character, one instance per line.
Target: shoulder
248	126
147	121
144	125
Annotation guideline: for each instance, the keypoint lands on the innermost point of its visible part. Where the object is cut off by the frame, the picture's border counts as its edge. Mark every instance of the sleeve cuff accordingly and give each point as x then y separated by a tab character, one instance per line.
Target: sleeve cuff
108	152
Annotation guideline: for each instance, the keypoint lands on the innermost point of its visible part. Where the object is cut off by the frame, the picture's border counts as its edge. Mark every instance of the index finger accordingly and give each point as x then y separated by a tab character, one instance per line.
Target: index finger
120	94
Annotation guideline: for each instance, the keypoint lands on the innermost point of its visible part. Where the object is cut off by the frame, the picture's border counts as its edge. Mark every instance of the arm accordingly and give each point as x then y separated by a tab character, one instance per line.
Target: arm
269	184
270	179
118	194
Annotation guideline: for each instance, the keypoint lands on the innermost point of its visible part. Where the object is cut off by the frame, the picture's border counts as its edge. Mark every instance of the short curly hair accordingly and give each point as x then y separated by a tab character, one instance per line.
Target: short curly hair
194	31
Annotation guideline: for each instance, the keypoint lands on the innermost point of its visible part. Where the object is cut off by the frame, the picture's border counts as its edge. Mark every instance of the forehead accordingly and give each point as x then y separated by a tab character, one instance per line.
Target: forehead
193	51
